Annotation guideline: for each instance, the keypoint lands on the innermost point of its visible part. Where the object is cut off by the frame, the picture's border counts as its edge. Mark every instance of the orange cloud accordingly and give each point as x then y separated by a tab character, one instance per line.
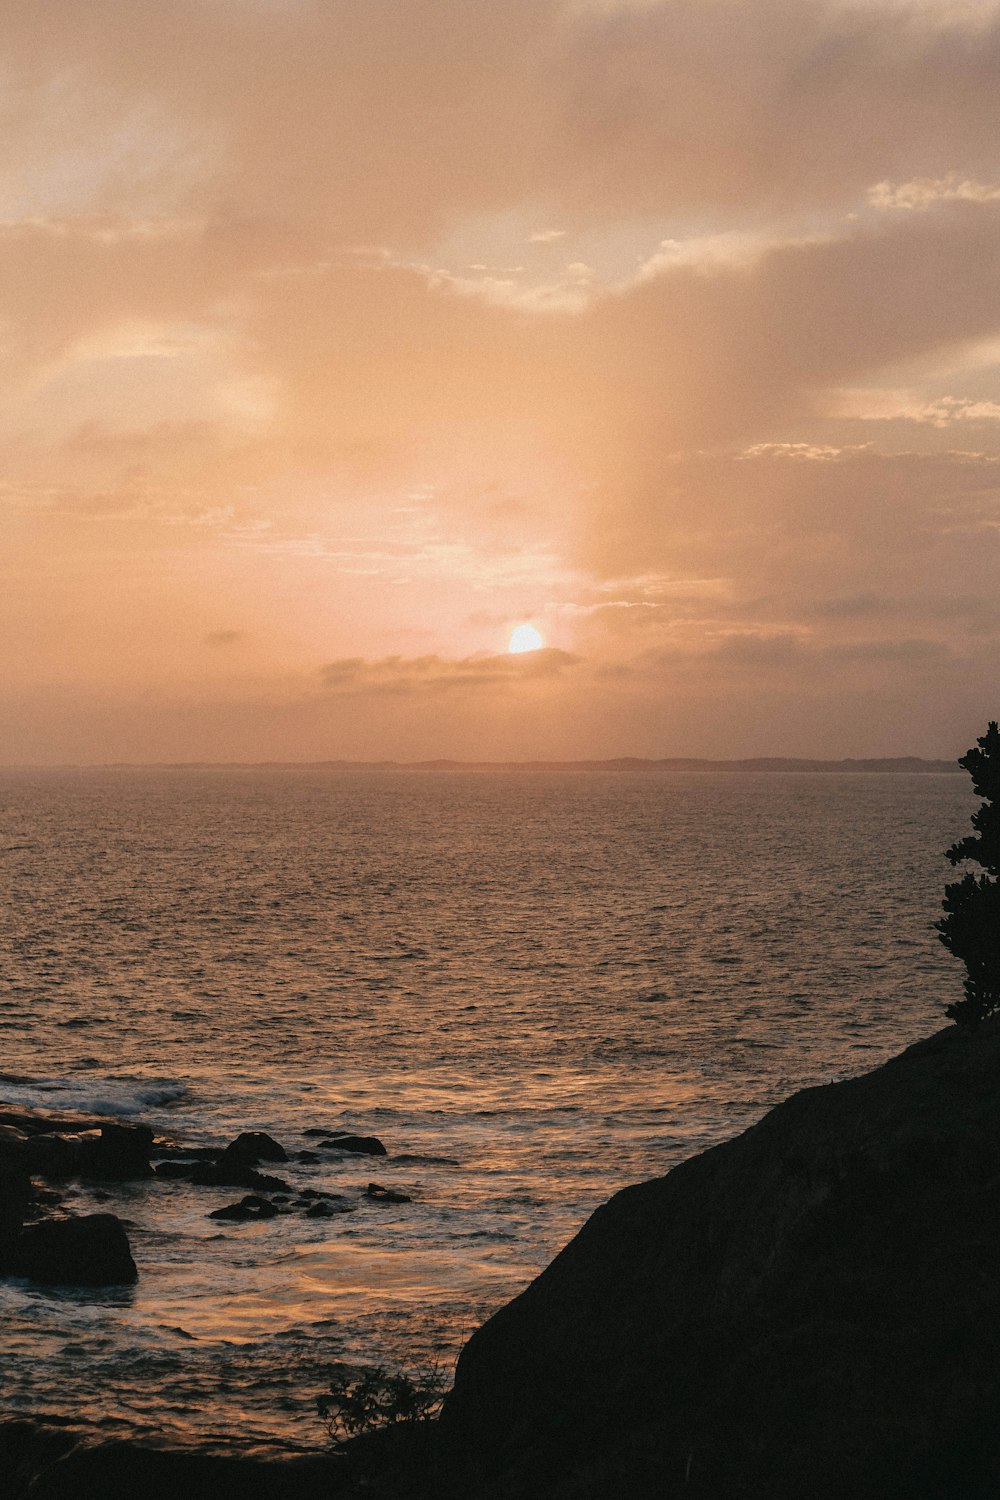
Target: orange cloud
287	341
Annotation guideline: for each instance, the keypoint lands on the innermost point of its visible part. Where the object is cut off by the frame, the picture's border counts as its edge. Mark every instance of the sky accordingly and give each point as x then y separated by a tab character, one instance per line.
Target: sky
340	338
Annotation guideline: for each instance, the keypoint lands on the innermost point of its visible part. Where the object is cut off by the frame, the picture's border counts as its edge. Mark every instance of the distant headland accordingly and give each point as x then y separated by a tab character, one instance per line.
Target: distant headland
893	765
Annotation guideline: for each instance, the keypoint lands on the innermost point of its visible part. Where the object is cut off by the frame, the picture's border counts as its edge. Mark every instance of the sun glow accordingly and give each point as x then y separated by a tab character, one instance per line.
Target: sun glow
524	638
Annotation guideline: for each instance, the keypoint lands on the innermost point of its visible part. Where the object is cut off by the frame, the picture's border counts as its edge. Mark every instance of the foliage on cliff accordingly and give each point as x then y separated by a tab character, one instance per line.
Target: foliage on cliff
970	928
374	1399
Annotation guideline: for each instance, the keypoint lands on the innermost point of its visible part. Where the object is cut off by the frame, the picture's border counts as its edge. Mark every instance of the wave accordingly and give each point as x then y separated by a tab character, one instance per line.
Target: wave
116	1097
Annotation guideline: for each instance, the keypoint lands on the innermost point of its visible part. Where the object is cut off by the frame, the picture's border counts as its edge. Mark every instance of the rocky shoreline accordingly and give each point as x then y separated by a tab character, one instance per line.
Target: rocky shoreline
811	1308
43	1240
44	1160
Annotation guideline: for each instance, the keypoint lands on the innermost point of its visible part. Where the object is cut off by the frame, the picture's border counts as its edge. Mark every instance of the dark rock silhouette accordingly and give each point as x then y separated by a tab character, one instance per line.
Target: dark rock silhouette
125	1471
55	1147
811	1309
235	1174
50	1155
325	1203
250	1207
382	1194
252	1147
12	1143
15	1201
358	1145
119	1153
89	1251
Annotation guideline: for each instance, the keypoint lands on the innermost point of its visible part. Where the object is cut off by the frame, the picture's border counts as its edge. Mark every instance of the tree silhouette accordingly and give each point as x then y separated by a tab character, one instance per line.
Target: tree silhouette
970	928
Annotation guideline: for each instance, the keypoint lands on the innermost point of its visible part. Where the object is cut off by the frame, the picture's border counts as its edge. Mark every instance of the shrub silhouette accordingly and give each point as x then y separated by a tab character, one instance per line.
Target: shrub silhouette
358	1404
970	928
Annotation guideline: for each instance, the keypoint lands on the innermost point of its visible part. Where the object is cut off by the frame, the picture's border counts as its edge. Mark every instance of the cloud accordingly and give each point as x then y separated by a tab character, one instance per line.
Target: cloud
394	675
907	406
616	111
923	192
224	637
245	326
787	652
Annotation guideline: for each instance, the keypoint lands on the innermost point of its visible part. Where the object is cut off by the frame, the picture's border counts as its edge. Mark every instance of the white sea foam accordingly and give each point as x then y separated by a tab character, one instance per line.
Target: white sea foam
111	1097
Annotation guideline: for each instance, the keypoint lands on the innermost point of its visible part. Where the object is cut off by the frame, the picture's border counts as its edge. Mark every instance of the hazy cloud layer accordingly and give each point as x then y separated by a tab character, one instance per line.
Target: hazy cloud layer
673	329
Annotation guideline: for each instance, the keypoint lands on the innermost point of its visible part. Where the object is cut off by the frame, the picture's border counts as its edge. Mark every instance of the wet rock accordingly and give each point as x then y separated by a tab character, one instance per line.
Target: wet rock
32	1121
12	1143
358	1145
381	1194
253	1146
173	1152
809	1309
88	1251
15	1202
171	1170
323	1208
234	1211
55	1156
234	1174
119	1153
308	1158
249	1208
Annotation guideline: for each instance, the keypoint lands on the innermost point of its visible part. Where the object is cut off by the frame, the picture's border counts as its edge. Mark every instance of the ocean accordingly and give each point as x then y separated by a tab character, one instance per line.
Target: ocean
533	987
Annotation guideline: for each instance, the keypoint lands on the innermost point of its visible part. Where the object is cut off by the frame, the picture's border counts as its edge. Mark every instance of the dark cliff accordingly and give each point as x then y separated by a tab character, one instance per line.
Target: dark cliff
809	1309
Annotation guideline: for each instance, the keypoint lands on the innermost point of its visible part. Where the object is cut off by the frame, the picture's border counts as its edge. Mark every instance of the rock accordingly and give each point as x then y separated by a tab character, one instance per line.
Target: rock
89	1251
32	1120
15	1201
308	1158
253	1146
250	1207
124	1470
119	1153
54	1156
12	1143
234	1211
382	1194
27	1448
190	1154
358	1145
809	1309
325	1208
175	1170
233	1174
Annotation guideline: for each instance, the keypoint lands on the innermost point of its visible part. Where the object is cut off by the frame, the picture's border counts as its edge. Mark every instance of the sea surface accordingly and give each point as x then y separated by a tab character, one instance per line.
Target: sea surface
564	983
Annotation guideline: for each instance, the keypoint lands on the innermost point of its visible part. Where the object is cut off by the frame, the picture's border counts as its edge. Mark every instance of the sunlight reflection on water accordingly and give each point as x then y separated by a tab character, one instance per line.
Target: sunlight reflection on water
565	983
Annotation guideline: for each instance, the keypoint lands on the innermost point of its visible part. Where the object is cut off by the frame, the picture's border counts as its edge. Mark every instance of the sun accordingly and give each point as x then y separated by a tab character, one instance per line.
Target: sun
524	638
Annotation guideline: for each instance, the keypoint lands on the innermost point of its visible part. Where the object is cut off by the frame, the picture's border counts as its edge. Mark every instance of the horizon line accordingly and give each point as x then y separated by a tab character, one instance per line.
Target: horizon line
774	763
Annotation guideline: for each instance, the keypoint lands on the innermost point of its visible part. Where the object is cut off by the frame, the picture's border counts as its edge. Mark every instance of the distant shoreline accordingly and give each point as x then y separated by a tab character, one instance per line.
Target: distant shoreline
894	765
